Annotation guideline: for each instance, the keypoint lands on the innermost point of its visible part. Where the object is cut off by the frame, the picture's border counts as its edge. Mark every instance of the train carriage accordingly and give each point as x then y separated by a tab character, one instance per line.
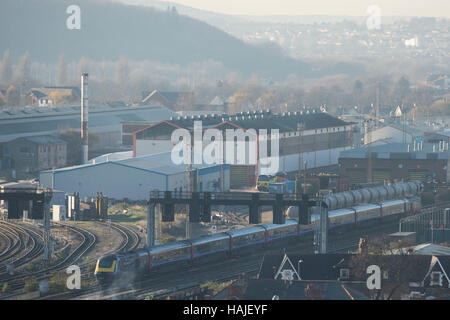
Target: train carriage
246	239
367	212
393	207
281	232
341	217
174	254
210	247
217	247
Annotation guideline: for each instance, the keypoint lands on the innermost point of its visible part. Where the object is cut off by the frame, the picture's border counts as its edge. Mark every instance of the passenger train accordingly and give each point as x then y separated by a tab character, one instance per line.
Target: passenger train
122	269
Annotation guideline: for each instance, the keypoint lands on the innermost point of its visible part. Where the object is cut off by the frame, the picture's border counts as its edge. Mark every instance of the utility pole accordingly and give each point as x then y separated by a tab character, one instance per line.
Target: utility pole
377	111
150	225
304	177
47	235
369	152
323	229
300	128
188	190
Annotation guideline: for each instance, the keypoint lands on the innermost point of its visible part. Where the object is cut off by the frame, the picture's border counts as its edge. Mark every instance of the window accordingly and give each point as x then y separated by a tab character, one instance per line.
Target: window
436	278
344	274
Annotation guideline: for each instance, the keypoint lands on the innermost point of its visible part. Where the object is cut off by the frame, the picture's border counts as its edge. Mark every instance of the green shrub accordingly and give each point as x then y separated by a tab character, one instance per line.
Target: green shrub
57	283
31	285
427	198
443	195
5	288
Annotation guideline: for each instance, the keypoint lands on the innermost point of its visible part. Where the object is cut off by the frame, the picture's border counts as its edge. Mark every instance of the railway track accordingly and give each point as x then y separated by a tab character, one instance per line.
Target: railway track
130	241
28	247
169	283
130	238
13	241
218	271
88	240
6	243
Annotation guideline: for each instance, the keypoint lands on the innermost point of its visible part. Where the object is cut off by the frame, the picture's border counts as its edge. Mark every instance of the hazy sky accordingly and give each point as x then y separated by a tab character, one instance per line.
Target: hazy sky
439	8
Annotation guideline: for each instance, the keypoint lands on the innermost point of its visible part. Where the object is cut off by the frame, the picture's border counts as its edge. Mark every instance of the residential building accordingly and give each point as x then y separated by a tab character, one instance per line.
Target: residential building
53	96
174	100
32	154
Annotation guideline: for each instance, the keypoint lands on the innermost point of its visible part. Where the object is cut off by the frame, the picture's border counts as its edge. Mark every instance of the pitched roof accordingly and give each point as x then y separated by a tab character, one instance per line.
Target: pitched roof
45	91
45	140
300	290
285	122
311	267
171	96
38	94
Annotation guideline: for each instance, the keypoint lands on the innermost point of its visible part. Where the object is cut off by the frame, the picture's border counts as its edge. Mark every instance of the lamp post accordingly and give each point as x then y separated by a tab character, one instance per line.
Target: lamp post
298	269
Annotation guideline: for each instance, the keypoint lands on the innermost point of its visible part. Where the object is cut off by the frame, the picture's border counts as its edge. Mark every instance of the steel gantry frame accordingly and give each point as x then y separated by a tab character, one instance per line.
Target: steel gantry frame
200	203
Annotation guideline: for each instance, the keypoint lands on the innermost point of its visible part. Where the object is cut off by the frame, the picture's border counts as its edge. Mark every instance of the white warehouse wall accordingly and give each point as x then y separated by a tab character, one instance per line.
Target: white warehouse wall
146	147
315	159
113	180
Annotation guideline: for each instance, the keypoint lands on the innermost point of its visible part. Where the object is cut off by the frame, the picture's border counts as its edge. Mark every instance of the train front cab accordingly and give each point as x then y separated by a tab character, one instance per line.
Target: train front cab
105	270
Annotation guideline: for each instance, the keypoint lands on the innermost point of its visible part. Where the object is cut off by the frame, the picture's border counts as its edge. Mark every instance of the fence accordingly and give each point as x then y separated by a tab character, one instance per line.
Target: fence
432	225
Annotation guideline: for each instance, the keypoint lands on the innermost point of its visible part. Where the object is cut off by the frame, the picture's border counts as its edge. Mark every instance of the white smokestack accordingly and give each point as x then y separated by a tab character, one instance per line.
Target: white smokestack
84	118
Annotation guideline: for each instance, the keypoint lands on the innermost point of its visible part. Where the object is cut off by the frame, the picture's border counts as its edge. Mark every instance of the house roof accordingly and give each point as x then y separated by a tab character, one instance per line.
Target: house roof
445	263
46	140
45	91
171	96
431	249
217	101
285	122
312	267
38	94
15	123
300	290
326	267
396	151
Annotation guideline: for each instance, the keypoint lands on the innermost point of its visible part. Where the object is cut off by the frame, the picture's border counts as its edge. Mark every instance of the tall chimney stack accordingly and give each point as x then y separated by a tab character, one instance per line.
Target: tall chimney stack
84	118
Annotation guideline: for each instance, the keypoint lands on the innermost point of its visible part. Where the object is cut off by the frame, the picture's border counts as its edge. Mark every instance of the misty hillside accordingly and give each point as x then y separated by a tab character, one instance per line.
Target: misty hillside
110	30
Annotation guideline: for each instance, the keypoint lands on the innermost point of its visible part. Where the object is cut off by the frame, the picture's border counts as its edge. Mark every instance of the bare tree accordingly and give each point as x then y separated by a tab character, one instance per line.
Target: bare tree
61	71
122	70
22	73
391	259
6	67
12	96
83	66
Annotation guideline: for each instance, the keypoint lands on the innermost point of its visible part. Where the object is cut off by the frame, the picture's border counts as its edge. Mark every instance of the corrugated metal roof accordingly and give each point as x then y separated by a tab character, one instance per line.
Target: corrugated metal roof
160	163
285	122
396	151
45	139
42	121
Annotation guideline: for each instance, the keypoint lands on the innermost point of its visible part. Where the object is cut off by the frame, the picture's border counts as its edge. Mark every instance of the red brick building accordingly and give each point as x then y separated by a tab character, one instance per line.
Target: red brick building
396	162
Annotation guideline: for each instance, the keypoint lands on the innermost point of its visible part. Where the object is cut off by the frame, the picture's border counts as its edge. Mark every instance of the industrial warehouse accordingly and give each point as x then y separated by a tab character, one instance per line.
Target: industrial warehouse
397	162
134	178
310	138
